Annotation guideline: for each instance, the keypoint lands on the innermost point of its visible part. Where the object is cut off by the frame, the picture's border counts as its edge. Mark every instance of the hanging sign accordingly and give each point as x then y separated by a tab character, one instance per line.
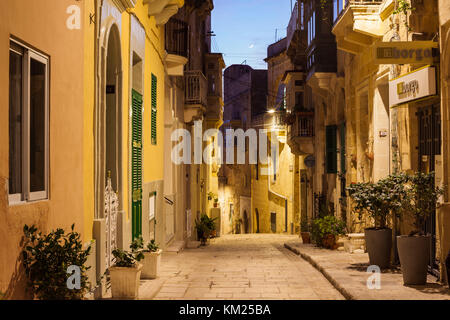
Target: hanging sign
415	85
405	52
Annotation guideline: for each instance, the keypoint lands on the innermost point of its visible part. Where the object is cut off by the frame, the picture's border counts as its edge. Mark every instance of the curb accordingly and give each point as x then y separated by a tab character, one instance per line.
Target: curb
347	295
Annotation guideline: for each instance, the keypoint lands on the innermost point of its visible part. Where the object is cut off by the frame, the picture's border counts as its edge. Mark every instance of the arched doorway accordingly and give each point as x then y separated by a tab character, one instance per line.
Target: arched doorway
246	222
108	133
257	220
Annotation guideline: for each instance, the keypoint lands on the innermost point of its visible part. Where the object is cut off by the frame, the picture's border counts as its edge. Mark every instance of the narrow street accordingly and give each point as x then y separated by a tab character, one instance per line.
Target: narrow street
251	266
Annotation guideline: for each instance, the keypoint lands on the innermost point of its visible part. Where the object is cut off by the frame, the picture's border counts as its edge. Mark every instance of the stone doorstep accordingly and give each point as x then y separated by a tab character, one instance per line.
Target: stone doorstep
341	281
175	247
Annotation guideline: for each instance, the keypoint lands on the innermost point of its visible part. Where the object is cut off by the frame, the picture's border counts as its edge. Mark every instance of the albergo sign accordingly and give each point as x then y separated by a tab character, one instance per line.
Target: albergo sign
405	52
414	85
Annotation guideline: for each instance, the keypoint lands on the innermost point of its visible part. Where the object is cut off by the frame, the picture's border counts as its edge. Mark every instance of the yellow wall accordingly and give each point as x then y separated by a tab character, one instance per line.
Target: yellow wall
88	125
42	24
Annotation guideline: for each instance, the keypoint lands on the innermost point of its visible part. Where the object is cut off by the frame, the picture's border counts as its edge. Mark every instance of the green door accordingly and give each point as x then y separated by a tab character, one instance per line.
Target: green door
136	164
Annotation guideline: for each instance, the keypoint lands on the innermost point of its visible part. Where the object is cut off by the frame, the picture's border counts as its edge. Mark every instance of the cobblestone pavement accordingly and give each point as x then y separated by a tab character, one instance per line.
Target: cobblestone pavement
348	273
239	267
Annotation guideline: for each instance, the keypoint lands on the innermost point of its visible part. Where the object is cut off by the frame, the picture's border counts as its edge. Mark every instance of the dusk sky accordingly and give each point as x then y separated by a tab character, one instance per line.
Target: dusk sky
244	28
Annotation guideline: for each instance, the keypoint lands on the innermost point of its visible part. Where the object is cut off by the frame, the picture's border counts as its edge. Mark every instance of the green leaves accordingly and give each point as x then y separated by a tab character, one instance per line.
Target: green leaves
328	225
46	259
398	194
205	225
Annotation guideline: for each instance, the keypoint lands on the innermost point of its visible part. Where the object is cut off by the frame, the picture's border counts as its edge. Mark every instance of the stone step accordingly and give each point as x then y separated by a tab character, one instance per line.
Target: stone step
175	247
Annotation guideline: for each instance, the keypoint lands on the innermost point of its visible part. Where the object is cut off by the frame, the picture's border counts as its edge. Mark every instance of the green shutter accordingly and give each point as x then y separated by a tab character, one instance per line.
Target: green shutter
154	108
331	149
136	164
342	131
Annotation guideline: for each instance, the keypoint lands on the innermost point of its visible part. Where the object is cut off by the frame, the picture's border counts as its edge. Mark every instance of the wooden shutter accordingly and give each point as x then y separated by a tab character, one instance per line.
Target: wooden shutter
331	149
342	132
154	109
136	164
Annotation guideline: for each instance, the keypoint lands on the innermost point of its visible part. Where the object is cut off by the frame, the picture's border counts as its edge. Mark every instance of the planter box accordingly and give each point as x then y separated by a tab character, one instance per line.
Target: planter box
306	237
379	244
152	262
125	282
414	254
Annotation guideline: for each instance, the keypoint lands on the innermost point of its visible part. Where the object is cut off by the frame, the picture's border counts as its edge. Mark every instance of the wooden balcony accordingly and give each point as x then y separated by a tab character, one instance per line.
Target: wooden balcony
296	39
177	37
301	132
176	45
196	88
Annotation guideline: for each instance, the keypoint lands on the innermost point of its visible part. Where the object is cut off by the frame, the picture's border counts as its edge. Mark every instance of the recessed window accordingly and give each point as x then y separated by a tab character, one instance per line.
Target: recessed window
28	124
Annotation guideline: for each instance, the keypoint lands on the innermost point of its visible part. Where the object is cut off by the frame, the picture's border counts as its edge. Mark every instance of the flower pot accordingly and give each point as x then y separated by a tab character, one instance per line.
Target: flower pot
378	245
152	262
125	282
414	254
216	204
329	241
306	237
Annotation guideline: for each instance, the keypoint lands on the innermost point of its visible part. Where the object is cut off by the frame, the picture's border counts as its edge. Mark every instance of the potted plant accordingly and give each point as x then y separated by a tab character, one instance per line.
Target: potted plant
126	272
379	200
211	195
305	231
47	259
152	261
325	230
216	202
205	227
414	249
151	255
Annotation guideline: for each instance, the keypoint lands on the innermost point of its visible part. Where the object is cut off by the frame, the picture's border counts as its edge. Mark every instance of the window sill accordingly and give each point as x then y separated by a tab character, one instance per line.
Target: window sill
24	203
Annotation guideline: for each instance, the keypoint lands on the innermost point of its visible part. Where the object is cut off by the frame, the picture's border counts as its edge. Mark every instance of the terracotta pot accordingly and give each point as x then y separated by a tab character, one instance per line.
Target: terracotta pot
151	265
216	204
125	282
378	245
414	254
306	237
329	241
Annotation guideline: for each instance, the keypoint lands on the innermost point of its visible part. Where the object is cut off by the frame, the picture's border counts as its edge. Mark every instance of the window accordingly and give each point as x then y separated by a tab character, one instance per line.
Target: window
28	124
312	24
331	149
298	100
154	109
302	16
338	7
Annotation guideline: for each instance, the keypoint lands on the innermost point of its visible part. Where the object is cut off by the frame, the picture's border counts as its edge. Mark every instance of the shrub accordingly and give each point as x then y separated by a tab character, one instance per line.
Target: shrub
328	225
380	199
46	259
205	226
424	196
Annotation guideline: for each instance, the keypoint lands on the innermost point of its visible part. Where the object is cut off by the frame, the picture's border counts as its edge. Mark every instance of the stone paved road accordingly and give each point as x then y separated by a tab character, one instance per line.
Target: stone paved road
239	267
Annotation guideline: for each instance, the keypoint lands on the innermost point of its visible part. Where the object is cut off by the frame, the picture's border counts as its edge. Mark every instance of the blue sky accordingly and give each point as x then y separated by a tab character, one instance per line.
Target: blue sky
244	28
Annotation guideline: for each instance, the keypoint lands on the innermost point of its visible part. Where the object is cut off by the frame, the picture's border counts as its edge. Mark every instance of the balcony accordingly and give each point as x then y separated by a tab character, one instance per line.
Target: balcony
176	45
359	24
196	87
296	38
214	65
162	10
301	132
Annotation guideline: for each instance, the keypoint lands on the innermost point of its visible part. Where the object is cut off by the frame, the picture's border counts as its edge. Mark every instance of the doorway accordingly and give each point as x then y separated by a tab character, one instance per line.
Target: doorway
429	147
108	141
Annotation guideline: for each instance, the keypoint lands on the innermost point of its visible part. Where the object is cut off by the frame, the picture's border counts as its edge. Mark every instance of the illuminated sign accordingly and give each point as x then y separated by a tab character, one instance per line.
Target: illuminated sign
414	85
406	52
